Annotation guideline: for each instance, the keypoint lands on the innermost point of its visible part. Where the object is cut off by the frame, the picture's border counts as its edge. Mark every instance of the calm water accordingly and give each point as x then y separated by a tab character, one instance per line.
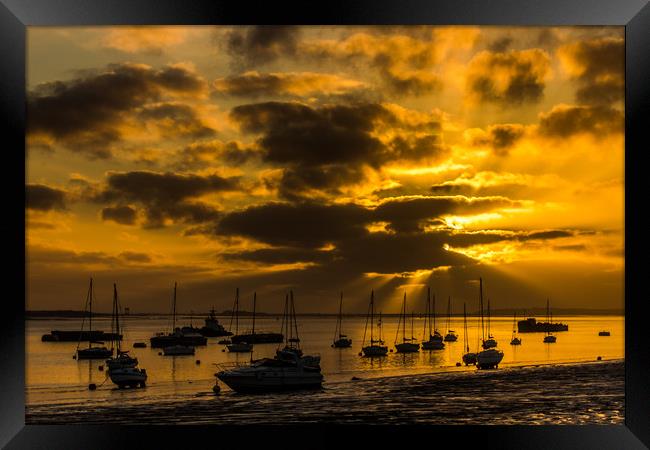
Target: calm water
53	378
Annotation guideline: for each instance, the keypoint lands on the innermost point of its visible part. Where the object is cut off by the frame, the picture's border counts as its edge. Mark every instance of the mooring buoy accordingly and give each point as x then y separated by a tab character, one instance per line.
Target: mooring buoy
599	358
101	368
216	389
198	361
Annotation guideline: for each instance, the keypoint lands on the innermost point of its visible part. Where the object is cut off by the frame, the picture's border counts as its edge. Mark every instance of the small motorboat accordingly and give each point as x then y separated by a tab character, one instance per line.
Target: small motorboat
603	333
177	350
515	341
550	339
490	342
451	336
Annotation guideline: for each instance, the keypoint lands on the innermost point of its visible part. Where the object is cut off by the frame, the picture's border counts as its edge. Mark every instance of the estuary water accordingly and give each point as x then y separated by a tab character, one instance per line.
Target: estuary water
57	385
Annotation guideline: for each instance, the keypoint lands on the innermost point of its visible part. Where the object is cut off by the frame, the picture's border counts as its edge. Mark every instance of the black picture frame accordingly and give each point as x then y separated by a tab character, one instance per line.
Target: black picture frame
16	15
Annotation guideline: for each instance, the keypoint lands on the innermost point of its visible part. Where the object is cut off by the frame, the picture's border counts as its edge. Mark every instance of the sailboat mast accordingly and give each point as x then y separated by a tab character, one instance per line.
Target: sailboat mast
174	310
481	307
372	315
340	315
117	319
433	307
448	312
295	322
466	338
90	319
254	304
489	334
237	311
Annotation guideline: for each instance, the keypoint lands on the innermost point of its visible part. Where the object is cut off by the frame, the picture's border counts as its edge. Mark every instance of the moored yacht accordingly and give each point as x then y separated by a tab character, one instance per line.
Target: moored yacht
549	338
241	346
451	335
468	357
91	352
340	339
408	345
490	357
376	347
435	341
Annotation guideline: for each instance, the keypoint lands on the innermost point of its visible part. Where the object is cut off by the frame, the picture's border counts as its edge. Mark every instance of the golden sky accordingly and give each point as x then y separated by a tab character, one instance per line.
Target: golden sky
325	159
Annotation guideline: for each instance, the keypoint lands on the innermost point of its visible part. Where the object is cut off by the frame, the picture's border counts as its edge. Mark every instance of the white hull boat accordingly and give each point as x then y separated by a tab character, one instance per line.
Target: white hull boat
272	375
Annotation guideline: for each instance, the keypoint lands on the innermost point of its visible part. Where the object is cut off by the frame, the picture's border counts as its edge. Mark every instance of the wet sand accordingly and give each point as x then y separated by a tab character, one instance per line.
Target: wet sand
580	393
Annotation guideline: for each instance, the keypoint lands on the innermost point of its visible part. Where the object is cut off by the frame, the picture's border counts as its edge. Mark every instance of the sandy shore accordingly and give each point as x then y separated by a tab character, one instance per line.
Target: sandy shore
579	393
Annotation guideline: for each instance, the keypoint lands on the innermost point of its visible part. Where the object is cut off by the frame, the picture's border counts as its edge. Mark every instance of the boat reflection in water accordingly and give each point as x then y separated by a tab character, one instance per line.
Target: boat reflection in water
288	370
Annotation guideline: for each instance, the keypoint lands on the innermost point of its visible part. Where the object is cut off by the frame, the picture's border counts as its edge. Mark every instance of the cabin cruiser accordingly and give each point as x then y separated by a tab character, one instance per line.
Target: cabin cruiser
128	376
212	327
289	372
490	342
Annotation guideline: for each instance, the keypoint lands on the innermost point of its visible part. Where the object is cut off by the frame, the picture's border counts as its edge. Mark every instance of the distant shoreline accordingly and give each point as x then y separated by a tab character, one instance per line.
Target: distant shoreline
533	312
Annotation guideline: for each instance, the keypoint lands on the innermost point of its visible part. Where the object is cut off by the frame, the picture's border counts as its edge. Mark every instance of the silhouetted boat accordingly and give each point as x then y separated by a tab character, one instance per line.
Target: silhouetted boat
376	347
435	341
549	338
451	335
489	357
257	337
123	370
468	357
212	327
514	340
340	340
603	333
177	336
91	352
241	346
178	350
407	345
490	342
289	370
531	325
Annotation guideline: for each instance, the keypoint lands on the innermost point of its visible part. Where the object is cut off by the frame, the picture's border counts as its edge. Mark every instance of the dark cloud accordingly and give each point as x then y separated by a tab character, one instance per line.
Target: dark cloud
257	45
176	120
599	67
500	137
44	198
124	215
135	257
409	214
327	147
570	248
85	114
508	78
501	44
310	225
166	195
566	120
280	255
213	154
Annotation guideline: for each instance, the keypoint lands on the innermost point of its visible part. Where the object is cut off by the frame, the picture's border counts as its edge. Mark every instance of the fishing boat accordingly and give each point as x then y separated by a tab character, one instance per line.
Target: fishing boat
91	352
435	340
468	357
340	340
515	340
451	335
407	345
177	337
212	327
549	338
490	357
239	347
123	370
376	347
288	370
603	333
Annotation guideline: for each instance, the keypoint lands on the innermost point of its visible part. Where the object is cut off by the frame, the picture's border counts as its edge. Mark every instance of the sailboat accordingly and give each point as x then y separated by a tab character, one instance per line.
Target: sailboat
468	357
376	347
183	342
515	340
490	357
241	347
92	352
549	338
255	336
175	345
122	369
490	342
451	335
407	345
292	340
434	341
340	340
